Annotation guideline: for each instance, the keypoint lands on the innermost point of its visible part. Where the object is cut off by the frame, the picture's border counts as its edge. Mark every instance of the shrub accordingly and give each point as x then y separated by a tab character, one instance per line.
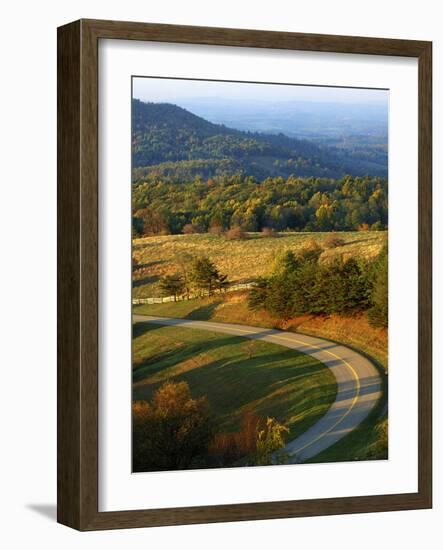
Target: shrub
258	442
269	442
216	229
190	228
269	232
229	447
310	252
377	226
235	233
379	448
363	227
334	241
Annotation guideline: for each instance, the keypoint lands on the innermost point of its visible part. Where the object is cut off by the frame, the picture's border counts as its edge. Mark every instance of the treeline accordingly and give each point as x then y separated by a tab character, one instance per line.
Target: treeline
302	284
298	204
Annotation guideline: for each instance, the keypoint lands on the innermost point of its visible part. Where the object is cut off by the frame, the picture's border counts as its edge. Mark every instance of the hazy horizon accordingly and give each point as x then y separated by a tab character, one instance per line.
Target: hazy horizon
168	90
314	112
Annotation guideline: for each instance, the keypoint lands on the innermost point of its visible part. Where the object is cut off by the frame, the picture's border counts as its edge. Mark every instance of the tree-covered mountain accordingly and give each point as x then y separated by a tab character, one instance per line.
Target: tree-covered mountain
171	142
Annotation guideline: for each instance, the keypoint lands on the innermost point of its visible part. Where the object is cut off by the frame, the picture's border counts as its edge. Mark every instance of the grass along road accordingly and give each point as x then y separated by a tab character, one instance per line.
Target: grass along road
238	375
233	308
359	386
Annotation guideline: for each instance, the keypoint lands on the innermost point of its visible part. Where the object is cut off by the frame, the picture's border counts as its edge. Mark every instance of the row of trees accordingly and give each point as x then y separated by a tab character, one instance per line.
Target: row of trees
298	204
199	274
302	284
176	431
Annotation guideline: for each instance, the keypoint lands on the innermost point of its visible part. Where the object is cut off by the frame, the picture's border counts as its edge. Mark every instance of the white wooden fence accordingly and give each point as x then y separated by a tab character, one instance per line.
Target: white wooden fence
165	299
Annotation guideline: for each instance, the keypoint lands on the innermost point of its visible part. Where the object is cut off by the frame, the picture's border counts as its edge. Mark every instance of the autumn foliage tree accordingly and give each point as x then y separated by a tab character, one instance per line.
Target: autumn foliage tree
297	204
173	431
150	221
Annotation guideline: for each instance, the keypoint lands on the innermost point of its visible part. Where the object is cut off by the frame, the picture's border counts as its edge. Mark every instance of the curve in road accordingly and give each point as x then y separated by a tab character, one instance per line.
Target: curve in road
359	385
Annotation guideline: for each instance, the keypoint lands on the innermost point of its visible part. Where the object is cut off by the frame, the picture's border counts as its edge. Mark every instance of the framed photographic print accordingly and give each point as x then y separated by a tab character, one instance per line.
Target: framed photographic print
244	280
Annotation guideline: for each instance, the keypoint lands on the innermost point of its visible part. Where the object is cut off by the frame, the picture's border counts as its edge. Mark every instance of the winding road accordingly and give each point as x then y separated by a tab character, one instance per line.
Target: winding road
359	385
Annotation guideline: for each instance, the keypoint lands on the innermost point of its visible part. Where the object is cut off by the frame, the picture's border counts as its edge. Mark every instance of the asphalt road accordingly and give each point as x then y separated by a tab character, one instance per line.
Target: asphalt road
358	381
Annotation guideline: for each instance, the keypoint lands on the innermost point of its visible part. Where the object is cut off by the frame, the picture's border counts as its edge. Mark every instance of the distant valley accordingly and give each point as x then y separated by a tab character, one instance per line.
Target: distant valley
176	144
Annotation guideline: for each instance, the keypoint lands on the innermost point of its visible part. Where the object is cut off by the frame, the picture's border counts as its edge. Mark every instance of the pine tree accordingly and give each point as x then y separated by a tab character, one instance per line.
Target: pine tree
172	285
205	275
378	313
258	294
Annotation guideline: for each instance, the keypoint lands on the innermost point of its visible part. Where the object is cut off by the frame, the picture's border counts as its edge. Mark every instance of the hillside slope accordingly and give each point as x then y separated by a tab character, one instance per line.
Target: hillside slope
174	143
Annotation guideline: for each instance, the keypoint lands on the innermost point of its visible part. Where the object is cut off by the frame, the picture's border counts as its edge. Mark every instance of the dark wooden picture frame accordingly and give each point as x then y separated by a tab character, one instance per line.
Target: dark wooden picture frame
78	244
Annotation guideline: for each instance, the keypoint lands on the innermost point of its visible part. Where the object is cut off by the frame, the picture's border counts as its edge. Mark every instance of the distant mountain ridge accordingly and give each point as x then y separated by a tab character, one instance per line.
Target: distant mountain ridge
170	141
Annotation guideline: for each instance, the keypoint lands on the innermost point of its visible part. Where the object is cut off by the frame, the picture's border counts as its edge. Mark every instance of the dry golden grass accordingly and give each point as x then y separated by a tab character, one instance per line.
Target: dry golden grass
241	260
354	331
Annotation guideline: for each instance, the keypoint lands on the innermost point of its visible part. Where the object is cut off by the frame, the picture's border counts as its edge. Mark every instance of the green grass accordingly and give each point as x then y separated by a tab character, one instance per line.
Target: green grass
232	308
238	375
369	441
201	309
366	442
241	260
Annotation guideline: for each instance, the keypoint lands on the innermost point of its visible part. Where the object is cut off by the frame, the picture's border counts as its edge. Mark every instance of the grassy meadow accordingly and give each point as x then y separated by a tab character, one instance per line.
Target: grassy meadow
237	375
241	260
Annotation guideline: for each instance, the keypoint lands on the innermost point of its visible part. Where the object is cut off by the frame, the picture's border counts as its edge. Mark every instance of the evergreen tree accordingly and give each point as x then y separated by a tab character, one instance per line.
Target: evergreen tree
172	285
378	313
205	275
258	294
302	284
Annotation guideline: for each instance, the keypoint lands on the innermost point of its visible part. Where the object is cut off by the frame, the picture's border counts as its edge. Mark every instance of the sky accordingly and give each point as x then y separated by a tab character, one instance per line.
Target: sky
174	90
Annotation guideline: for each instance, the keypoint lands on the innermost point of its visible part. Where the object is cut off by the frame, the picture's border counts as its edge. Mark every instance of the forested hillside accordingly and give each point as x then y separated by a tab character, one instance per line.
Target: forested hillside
300	204
173	143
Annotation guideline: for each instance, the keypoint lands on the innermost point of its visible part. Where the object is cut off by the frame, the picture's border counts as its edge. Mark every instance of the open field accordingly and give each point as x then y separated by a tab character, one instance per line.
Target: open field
241	260
244	261
233	308
236	374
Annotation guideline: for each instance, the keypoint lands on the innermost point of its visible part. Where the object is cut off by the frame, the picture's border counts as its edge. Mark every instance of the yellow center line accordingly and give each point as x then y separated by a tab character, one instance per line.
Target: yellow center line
313	346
